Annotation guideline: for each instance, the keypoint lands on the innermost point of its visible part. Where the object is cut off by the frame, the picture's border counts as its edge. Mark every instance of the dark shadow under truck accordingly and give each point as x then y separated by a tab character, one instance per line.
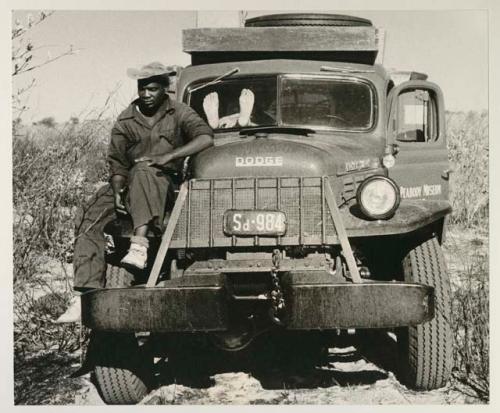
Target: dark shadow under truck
326	213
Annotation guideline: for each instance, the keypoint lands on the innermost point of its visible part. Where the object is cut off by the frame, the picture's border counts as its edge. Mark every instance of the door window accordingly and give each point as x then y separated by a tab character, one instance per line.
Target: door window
417	117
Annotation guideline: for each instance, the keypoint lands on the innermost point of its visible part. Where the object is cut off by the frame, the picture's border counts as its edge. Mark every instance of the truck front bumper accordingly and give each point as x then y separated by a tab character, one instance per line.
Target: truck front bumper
203	304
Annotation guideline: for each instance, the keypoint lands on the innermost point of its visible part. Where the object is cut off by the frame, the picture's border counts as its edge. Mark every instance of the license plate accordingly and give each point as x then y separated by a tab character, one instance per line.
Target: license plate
254	222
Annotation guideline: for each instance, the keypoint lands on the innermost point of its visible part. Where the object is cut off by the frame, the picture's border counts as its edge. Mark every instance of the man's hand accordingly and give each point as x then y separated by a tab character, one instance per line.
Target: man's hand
119	204
229	121
158	161
198	144
118	183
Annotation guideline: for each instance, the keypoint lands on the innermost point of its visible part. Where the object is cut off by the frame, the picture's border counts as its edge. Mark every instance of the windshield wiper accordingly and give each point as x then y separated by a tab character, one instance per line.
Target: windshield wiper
270	129
216	80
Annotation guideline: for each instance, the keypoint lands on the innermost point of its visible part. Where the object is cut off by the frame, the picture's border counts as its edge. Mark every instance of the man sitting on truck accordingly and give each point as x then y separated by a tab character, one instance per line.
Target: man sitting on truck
148	142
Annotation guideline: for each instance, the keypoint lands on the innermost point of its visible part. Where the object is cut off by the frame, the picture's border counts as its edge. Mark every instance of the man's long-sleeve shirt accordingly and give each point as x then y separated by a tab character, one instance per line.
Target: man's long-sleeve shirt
132	137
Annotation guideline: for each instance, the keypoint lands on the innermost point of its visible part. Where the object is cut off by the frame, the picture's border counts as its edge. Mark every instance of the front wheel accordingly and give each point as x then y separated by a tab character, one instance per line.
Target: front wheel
123	371
426	349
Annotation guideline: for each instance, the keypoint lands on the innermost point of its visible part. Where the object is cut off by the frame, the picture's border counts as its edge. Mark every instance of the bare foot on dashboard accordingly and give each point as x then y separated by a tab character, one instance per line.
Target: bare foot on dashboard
211	108
247	99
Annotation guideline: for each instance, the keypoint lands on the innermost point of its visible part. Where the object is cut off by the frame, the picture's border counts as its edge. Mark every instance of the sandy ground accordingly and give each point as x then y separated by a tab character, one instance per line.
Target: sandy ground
332	382
46	378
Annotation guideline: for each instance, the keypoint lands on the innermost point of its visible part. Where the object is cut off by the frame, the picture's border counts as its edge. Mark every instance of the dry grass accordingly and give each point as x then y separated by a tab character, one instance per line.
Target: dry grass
467	254
469	156
38	379
469	153
472	329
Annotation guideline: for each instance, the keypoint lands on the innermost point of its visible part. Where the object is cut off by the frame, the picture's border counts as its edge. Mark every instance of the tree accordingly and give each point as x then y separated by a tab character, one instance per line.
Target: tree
23	49
26	57
49	122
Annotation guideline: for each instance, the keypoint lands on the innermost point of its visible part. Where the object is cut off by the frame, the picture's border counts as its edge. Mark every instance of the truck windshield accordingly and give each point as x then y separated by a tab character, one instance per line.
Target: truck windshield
303	101
330	103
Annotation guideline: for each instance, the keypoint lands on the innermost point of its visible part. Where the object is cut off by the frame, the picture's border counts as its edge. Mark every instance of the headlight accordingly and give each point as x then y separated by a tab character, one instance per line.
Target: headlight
378	197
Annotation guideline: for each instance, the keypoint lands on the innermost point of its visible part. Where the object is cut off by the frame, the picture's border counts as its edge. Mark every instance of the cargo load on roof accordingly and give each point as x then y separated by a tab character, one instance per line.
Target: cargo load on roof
326	37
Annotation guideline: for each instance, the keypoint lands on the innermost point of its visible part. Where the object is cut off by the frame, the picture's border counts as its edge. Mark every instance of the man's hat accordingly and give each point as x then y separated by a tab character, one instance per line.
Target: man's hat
151	70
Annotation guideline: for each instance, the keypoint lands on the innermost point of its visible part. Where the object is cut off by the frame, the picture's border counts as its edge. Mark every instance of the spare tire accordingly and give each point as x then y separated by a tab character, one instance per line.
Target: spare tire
306	19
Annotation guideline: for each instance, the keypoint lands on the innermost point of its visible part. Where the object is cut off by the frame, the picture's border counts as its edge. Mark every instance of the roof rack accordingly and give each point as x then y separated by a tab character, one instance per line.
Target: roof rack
357	43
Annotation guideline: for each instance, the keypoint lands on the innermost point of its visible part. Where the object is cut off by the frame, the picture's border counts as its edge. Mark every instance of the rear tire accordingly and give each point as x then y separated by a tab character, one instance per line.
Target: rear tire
118	277
426	349
123	371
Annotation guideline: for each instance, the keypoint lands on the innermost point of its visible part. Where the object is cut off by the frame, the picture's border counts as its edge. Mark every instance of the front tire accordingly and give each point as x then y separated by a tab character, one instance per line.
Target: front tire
426	349
123	371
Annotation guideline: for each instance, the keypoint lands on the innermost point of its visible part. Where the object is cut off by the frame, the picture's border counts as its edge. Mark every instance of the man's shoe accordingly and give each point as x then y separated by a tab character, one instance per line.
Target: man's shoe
136	257
74	312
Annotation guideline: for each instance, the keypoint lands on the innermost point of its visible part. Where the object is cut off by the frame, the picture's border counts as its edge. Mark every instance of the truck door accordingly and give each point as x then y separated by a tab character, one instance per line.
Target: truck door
416	138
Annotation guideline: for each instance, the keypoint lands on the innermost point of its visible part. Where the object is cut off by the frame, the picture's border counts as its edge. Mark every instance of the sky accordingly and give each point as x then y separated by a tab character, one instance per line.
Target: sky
450	46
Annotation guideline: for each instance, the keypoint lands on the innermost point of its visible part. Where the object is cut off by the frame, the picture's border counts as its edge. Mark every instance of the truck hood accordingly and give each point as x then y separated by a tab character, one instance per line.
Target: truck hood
282	155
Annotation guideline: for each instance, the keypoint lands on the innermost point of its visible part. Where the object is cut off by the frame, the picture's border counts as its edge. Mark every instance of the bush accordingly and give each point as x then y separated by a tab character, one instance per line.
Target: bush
49	122
469	155
471	320
467	135
34	323
54	171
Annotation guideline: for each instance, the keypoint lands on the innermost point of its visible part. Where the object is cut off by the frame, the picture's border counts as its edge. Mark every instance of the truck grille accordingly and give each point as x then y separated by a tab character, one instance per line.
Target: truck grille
351	184
301	199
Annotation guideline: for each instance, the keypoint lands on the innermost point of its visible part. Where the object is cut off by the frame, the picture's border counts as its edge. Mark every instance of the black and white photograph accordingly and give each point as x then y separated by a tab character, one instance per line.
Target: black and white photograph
233	206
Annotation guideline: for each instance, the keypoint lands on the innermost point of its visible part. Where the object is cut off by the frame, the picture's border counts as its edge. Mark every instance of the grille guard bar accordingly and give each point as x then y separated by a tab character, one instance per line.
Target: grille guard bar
326	192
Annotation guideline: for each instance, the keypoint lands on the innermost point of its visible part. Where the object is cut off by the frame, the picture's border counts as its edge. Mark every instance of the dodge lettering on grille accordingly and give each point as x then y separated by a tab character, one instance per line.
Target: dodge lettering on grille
241	161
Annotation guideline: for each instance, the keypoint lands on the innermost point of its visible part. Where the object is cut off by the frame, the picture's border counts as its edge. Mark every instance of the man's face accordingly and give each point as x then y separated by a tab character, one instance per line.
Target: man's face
151	94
